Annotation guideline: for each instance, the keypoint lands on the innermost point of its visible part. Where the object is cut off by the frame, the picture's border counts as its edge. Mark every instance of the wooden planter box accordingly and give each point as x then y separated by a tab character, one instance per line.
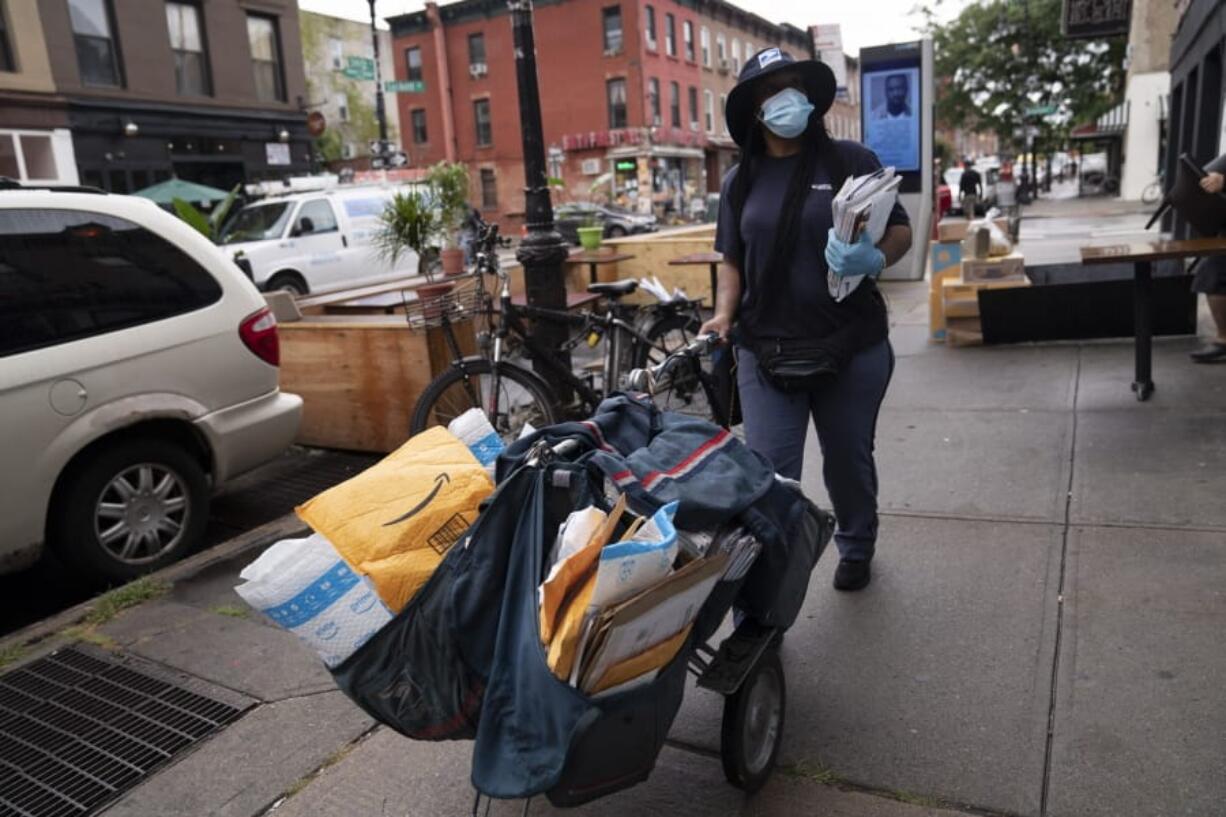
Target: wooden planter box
360	376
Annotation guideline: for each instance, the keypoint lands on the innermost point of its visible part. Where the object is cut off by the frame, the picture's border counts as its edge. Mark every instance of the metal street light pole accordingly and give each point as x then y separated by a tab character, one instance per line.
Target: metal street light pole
380	110
542	251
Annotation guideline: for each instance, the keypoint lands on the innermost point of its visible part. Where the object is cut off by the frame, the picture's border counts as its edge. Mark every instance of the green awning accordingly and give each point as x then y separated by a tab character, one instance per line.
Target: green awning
166	192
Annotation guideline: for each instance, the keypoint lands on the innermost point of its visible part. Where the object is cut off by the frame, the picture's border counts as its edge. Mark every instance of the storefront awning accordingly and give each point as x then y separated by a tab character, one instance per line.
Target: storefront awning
655	152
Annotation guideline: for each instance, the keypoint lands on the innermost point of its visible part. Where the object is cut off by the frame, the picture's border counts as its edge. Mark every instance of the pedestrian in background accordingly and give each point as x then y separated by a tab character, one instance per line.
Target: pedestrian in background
775	233
1211	276
971	188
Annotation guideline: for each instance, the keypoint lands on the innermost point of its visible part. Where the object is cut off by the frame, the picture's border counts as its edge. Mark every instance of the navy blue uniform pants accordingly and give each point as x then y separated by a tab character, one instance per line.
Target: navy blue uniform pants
844	412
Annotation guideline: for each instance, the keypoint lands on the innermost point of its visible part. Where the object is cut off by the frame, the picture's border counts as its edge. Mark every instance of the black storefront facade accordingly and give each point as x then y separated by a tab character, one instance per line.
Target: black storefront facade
1196	89
124	146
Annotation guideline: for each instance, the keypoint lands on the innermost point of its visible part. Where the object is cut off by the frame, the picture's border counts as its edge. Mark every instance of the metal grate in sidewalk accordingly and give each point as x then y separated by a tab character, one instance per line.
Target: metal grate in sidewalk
78	728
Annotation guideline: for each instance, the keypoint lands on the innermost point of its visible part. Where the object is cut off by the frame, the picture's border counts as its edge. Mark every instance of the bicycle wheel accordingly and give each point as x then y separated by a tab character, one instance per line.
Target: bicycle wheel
521	400
691	389
1152	194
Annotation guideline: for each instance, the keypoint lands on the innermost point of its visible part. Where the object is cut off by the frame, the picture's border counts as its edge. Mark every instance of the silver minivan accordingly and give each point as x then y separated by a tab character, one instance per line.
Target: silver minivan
138	374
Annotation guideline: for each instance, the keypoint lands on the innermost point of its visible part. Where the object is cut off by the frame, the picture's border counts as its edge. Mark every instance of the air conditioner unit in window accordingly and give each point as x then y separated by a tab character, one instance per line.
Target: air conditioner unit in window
478	69
590	167
724	66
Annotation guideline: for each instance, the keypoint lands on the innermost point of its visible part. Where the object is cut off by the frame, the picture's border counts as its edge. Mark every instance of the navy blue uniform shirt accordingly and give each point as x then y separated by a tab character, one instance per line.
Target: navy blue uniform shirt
793	303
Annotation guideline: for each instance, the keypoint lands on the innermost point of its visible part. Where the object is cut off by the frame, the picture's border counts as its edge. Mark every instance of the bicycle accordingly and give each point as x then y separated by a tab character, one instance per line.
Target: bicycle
515	397
1155	190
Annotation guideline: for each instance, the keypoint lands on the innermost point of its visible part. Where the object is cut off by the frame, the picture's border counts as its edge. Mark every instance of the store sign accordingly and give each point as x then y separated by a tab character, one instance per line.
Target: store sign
404	86
626	164
677	136
1093	19
277	153
360	68
602	139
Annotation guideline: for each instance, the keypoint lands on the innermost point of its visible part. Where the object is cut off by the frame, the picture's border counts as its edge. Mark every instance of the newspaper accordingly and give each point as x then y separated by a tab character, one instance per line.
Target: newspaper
863	203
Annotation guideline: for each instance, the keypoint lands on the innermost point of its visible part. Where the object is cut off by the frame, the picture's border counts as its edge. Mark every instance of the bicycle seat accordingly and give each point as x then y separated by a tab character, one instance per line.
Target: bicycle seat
613	289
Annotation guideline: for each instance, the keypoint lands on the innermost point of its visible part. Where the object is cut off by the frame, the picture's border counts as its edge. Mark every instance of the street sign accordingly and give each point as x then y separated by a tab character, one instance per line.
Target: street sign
404	86
1095	19
1040	110
360	68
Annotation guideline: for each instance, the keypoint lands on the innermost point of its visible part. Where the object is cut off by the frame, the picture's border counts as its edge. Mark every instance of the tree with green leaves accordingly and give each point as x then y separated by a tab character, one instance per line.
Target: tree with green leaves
998	58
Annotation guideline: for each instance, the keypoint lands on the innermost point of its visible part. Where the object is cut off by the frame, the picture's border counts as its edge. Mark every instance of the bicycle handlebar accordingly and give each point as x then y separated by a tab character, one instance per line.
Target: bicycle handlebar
652	378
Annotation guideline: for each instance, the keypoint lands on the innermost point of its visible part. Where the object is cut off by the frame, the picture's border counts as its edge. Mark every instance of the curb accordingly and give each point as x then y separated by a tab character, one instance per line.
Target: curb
281	528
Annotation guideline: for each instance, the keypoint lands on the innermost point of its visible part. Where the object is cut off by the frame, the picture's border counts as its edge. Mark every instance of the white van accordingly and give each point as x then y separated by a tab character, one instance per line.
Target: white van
315	241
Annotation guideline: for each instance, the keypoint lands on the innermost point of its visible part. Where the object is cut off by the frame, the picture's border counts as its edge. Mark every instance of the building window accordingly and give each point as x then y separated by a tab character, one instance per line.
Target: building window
749	52
687	36
651	27
612	19
476	49
705	42
693	108
97	55
27	157
187	44
736	56
674	104
721	50
266	58
489	189
481	119
412	64
342	107
670	35
336	50
653	95
7	63
709	99
418	115
616	90
723	105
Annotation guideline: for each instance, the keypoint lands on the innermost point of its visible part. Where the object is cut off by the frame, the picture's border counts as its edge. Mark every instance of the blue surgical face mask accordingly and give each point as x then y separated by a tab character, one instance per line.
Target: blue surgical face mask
787	113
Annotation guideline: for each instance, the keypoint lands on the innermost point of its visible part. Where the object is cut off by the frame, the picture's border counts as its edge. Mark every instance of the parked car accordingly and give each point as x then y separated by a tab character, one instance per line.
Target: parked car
138	374
315	241
989	174
568	218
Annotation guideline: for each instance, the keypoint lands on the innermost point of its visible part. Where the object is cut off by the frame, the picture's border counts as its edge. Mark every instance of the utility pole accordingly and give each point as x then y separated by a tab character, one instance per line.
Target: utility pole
380	110
542	251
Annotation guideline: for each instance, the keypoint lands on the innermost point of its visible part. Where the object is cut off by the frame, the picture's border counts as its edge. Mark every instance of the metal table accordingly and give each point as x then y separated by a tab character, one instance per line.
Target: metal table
711	259
1142	254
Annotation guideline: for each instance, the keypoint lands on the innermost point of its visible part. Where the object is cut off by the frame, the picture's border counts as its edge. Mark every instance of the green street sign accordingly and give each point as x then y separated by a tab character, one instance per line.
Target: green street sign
360	68
404	86
1040	110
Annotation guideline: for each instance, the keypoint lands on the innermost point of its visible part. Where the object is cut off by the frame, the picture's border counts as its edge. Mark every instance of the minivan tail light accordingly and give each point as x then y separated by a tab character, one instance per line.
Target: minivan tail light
259	333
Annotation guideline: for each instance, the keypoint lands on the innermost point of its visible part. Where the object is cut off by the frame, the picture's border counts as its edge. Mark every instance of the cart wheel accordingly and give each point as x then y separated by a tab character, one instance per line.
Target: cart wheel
753	724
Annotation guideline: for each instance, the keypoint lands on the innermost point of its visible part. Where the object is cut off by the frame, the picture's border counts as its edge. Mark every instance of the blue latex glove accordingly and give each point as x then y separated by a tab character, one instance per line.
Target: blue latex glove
858	258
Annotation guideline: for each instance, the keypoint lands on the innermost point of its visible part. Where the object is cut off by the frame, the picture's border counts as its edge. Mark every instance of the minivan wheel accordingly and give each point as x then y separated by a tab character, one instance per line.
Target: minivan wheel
134	507
290	282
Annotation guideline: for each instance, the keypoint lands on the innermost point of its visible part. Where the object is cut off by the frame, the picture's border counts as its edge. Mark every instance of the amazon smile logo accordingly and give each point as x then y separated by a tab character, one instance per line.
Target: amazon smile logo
439	481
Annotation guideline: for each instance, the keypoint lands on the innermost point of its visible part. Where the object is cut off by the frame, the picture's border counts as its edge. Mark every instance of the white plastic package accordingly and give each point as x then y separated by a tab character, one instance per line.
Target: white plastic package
306	587
632	565
474	430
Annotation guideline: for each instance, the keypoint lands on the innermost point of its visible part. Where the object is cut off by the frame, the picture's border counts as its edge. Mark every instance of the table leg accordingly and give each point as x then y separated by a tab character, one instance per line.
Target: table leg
714	283
1143	325
591	272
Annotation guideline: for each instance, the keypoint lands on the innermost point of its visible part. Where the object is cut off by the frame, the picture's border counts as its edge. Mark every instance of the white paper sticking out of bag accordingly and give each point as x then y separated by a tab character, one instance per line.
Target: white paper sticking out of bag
575	532
631	566
306	587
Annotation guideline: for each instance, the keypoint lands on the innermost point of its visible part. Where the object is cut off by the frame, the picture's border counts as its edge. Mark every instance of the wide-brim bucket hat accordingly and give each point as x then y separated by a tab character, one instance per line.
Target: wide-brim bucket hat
739	110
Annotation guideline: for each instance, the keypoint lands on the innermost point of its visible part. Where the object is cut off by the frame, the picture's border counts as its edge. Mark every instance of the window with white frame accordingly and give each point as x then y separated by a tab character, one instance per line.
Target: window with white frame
687	36
342	107
187	45
336	49
704	38
723	103
749	52
721	49
736	56
28	156
709	99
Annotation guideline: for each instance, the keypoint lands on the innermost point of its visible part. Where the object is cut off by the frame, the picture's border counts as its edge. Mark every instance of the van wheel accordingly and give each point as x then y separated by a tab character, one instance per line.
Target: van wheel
290	282
134	507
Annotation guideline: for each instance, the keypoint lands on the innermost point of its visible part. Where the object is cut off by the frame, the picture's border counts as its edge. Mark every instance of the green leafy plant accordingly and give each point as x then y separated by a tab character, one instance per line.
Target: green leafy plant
207	225
410	221
449	184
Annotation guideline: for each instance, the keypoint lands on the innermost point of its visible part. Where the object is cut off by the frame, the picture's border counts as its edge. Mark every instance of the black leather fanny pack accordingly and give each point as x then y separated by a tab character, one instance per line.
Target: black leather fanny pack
795	365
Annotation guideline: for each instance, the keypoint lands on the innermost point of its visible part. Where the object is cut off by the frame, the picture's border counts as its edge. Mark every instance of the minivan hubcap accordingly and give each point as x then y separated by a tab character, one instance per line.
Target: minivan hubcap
141	513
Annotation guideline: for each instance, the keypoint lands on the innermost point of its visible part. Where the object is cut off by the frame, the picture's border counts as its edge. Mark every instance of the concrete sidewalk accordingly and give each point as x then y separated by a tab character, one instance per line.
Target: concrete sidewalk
1043	635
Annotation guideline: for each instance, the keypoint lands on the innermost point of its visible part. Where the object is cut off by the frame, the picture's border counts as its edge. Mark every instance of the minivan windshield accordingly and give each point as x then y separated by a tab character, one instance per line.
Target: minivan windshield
257	222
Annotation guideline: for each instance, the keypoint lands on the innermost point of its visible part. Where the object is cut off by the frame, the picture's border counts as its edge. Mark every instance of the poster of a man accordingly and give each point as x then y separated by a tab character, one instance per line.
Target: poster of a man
891	115
897	98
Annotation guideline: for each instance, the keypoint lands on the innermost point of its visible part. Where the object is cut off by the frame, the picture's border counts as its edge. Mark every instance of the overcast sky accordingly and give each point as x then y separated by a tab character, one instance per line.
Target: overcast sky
864	22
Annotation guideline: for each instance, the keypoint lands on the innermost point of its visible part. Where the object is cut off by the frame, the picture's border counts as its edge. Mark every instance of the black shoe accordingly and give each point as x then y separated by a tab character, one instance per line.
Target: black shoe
1212	352
851	576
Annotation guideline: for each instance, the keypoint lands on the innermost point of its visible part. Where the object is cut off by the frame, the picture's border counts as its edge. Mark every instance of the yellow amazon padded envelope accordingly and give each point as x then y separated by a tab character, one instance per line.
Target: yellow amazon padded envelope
565	642
396	520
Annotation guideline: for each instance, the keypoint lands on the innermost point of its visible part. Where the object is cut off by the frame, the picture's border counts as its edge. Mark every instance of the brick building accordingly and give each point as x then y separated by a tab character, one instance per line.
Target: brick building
632	95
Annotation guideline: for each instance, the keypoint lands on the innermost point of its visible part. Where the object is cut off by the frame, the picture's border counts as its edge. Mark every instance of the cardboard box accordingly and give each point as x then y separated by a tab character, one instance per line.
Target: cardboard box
954	229
1002	268
960	299
936	316
963	332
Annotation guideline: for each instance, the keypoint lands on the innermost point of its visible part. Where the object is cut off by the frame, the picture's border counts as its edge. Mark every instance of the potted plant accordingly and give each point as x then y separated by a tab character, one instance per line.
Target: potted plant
449	185
591	231
410	221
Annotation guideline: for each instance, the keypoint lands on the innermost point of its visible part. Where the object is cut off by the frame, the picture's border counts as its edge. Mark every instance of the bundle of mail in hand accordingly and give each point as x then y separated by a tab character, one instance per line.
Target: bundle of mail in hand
863	203
615	612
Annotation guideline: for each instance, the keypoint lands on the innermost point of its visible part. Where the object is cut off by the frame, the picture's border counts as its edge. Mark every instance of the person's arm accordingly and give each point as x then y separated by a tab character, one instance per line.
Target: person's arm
727	297
895	243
